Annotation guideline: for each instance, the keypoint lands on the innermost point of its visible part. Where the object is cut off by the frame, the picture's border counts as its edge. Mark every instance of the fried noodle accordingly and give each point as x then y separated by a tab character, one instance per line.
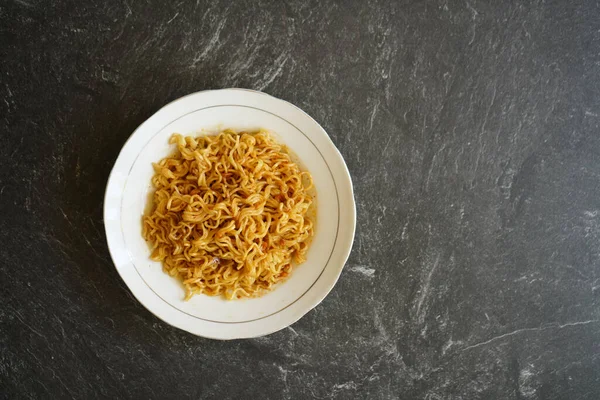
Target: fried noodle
229	214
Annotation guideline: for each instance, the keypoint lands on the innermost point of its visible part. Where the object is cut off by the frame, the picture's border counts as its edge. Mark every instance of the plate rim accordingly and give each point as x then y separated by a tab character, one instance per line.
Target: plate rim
277	323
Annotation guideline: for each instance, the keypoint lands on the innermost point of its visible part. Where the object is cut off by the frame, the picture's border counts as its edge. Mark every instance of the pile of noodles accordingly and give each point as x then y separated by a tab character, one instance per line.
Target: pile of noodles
229	214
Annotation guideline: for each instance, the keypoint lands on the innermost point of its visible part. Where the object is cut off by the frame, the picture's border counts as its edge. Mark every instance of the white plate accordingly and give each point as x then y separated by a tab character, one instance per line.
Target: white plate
129	189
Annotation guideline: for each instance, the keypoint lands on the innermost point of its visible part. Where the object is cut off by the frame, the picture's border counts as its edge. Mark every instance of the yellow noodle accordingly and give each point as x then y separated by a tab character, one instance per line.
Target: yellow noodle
229	214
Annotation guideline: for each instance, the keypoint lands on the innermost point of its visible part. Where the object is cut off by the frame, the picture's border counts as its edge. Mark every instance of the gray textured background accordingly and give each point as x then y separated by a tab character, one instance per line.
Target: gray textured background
471	132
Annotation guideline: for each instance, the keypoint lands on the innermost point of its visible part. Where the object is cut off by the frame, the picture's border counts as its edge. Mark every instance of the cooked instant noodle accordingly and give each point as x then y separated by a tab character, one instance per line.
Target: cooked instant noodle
229	214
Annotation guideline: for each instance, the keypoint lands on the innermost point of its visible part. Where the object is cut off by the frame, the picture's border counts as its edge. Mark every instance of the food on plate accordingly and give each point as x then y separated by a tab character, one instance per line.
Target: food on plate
230	213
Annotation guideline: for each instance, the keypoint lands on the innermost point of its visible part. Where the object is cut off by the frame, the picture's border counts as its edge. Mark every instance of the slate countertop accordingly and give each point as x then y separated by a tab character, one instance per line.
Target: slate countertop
470	129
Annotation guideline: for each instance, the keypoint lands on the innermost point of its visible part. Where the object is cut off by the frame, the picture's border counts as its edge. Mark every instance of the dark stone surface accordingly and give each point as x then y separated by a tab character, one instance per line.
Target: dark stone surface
471	132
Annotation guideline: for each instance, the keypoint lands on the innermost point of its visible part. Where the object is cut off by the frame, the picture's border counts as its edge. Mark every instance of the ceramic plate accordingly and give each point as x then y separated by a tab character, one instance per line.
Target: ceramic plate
129	190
